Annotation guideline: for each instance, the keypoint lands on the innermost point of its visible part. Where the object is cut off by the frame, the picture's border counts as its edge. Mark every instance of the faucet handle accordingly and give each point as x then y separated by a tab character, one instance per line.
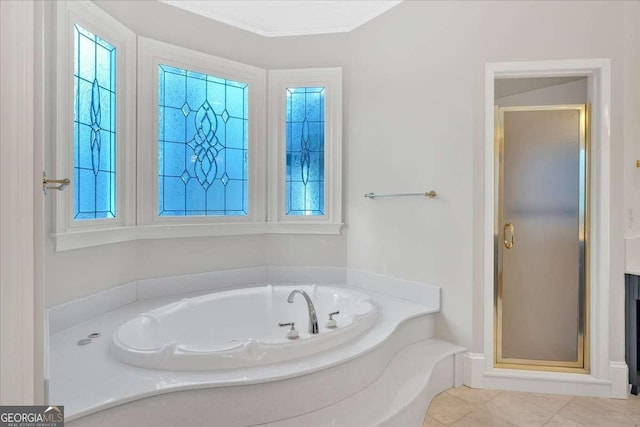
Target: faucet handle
292	324
292	334
332	324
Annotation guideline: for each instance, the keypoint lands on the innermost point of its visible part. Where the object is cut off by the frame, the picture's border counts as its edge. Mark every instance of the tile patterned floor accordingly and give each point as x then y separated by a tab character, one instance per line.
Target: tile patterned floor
462	407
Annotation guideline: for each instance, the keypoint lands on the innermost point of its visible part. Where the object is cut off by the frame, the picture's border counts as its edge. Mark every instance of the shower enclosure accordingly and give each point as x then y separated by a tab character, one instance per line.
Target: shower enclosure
541	237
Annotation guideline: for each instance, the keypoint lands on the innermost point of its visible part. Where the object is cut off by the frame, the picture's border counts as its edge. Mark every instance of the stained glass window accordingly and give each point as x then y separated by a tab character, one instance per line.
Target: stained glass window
94	126
202	144
305	151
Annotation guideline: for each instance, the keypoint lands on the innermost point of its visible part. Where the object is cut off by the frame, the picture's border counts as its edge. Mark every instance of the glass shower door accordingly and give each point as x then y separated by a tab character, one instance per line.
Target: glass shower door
541	237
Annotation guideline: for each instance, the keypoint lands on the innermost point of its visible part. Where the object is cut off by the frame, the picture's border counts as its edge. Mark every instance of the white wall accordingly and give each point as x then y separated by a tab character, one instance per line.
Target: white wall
632	134
20	209
414	121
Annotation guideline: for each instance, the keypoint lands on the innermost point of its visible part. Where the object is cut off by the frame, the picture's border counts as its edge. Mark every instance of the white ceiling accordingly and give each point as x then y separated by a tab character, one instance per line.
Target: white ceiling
513	86
273	18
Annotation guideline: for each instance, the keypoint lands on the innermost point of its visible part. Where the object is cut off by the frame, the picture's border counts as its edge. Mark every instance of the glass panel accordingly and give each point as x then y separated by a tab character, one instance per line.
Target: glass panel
94	126
305	151
541	198
202	144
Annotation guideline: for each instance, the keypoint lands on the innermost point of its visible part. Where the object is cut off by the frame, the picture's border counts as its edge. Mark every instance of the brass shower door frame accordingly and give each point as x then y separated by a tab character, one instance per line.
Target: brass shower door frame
581	365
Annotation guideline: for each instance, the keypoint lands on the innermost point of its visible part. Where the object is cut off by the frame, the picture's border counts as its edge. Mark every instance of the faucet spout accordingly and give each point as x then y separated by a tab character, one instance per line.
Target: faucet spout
313	317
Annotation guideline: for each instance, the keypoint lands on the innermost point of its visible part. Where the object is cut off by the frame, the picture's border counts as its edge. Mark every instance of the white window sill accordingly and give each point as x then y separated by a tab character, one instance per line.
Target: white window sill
85	238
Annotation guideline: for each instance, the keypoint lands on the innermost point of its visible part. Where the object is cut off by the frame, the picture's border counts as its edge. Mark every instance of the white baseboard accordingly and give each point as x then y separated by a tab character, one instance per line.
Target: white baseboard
476	376
473	375
619	372
458	369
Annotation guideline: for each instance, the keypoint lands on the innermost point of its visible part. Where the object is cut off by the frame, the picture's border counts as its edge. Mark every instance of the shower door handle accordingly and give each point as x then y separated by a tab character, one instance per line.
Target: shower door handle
508	243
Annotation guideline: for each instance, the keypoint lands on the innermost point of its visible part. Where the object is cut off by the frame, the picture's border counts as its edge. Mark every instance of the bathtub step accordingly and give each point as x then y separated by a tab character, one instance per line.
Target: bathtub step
399	396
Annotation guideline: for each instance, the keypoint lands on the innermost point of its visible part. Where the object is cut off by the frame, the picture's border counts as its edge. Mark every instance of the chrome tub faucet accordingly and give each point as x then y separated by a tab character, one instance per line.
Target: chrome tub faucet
313	318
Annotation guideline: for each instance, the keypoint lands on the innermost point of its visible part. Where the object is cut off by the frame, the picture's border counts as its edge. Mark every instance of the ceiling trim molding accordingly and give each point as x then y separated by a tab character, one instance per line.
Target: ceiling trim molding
206	12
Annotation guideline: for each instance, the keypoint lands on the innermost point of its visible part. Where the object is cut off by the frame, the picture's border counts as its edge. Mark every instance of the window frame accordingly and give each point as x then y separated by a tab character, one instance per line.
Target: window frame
151	54
137	144
279	81
68	232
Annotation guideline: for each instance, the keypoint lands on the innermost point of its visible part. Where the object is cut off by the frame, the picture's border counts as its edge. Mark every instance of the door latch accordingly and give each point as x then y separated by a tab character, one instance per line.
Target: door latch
60	184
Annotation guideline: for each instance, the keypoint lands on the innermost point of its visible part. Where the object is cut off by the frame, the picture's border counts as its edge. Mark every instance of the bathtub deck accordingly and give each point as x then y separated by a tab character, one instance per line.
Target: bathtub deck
87	378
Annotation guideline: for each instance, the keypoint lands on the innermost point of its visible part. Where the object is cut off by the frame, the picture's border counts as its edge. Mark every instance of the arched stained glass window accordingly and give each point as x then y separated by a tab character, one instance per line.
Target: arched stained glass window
94	126
305	151
202	144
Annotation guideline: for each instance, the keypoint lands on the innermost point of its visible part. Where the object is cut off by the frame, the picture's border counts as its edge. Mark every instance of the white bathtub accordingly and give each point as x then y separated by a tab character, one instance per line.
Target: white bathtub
239	328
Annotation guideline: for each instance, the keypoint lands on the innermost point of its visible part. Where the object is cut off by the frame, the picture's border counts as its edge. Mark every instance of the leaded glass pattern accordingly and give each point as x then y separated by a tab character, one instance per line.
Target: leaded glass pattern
202	144
305	124
94	126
